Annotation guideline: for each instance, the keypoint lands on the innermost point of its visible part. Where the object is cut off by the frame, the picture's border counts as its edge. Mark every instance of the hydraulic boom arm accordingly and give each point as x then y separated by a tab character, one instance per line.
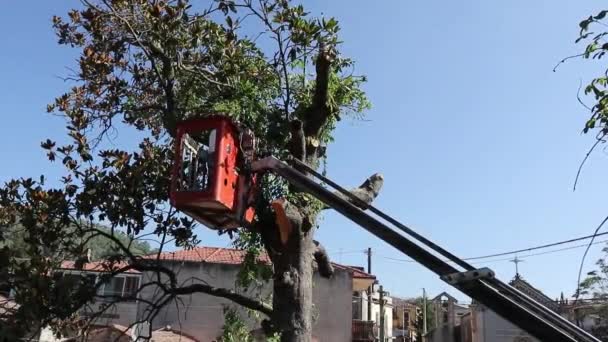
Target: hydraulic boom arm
479	284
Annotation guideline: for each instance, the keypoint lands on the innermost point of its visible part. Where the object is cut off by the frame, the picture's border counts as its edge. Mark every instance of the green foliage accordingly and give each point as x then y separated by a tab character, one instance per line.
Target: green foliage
430	316
276	337
595	286
593	34
234	329
144	66
253	271
102	248
13	238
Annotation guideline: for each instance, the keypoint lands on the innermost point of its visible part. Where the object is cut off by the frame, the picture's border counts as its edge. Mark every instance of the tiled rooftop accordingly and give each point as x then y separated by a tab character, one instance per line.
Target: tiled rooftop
95	266
212	255
218	255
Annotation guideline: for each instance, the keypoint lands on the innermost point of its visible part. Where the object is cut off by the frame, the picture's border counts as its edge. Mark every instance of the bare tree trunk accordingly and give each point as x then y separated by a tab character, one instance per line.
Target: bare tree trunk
293	256
293	251
292	300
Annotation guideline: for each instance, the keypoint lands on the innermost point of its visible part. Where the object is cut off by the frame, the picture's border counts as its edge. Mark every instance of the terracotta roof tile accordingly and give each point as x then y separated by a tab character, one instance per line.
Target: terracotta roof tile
214	255
218	255
356	271
95	266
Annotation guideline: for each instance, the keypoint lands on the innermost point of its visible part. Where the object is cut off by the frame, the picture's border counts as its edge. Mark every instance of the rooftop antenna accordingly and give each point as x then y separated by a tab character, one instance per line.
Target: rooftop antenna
516	261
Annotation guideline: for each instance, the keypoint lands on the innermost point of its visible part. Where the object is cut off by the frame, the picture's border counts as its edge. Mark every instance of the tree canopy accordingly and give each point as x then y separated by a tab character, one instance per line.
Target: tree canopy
595	100
592	34
144	66
100	247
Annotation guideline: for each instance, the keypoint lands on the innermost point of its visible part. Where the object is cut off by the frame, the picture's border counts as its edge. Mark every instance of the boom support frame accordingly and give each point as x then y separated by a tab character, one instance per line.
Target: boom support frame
481	285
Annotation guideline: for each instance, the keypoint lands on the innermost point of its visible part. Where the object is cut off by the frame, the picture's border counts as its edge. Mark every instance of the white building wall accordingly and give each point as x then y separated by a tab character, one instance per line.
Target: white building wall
388	311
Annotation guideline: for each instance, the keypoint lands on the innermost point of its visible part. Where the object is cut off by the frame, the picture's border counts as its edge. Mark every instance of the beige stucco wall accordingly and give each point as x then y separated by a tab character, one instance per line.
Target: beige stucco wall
201	315
119	313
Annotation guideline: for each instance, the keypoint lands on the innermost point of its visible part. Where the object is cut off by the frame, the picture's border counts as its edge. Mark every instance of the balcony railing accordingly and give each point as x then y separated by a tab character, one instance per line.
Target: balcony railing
364	331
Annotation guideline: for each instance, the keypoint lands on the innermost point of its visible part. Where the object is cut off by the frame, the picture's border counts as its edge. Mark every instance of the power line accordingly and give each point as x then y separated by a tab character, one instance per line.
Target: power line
580	270
524	250
508	259
529	249
538	247
543	253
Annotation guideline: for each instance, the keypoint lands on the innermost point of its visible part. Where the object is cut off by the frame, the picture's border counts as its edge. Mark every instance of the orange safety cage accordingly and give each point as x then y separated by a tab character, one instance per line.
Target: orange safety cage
205	182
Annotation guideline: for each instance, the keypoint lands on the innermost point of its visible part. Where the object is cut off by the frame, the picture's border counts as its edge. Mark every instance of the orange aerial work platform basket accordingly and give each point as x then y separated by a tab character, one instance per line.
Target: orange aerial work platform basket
205	182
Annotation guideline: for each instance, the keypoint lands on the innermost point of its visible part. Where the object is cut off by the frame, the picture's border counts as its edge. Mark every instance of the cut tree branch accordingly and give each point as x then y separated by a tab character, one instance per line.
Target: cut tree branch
297	142
364	195
319	111
326	270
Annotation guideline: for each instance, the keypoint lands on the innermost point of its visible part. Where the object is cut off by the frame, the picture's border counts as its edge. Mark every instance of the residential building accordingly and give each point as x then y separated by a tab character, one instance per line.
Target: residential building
525	287
405	315
477	323
200	317
367	327
590	314
447	313
124	286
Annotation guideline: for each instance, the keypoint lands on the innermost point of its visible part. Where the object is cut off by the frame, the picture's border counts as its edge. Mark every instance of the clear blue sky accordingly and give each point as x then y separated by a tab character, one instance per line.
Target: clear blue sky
478	139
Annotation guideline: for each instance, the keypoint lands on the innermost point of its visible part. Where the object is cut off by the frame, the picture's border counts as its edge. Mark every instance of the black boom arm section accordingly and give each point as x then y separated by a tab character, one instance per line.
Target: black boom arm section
479	284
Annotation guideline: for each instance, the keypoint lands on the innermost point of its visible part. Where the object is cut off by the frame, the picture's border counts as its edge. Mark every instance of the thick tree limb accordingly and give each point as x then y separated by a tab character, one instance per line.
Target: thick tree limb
172	288
326	270
225	293
365	194
169	116
297	142
319	112
175	290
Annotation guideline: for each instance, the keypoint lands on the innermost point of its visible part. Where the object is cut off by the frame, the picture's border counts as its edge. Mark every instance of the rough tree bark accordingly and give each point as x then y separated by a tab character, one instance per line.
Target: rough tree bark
293	271
292	247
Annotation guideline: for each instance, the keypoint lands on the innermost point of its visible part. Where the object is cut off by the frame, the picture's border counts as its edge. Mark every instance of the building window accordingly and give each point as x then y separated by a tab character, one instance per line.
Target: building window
357	305
114	287
131	286
121	286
